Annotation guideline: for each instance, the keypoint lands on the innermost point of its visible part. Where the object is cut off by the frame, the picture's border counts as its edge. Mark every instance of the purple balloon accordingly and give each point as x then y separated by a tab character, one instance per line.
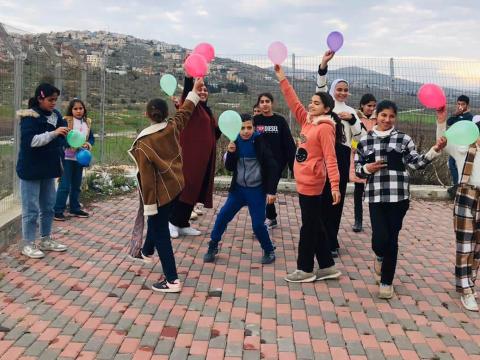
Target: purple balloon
335	41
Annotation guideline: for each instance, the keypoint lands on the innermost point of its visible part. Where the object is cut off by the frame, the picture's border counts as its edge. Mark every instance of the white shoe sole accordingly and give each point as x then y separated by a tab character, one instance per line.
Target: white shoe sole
310	279
33	256
166	290
330	276
468	308
54	250
143	260
181	232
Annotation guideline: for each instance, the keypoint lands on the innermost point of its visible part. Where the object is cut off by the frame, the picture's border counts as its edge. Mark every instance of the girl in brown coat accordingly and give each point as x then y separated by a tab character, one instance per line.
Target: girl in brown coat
157	154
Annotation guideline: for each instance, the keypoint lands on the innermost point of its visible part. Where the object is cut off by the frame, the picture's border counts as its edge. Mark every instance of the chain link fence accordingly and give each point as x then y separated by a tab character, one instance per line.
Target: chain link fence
117	81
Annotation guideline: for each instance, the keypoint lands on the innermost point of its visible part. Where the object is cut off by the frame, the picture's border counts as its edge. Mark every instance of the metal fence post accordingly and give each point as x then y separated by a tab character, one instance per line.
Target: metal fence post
17	104
58	80
83	82
392	79
102	105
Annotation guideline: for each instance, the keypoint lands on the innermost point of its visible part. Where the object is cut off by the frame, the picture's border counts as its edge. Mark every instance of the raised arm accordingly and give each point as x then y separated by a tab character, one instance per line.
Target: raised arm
322	72
291	97
183	114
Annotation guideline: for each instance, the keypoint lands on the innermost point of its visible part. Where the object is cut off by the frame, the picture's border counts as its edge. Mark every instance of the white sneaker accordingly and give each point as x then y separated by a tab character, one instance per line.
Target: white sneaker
173	231
166	287
469	302
32	251
188	231
48	244
193	216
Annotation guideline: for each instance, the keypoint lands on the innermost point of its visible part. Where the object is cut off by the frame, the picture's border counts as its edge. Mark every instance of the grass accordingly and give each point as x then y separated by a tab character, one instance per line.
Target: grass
115	150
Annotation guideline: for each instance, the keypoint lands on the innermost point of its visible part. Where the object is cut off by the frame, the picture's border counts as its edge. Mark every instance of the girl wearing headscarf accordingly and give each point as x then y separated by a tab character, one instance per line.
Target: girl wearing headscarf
352	129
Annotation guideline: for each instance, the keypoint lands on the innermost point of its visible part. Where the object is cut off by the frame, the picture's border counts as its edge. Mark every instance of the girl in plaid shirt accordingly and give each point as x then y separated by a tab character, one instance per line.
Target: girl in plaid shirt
381	158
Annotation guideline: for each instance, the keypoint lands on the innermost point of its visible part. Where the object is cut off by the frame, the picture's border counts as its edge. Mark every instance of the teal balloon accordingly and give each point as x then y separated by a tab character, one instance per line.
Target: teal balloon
230	124
75	138
168	83
463	132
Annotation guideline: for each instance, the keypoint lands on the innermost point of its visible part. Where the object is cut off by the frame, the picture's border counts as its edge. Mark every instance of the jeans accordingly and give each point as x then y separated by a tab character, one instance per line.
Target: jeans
453	170
387	219
38	198
255	199
313	236
158	237
70	183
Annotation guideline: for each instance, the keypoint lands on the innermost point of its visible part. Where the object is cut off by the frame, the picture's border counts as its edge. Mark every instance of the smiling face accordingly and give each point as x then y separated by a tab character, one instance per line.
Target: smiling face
386	119
203	93
266	106
369	108
316	106
341	91
247	129
48	103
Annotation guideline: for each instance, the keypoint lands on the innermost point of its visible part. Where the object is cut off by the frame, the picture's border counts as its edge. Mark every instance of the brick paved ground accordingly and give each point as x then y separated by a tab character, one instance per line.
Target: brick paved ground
91	303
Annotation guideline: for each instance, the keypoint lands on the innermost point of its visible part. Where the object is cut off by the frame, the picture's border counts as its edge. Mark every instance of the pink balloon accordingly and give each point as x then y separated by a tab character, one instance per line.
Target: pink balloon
335	41
206	50
196	65
432	96
277	52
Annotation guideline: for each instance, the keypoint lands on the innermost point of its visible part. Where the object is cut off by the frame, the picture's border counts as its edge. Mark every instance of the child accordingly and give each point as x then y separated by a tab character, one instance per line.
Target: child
381	158
352	129
314	159
72	171
276	132
42	137
157	154
256	110
367	116
466	218
254	180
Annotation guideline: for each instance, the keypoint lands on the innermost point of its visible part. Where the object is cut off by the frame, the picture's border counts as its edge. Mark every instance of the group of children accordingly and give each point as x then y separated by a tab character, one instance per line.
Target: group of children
45	156
336	144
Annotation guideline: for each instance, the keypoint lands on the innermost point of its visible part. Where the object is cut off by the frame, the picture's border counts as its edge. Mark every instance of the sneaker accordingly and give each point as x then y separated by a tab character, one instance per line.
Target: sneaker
299	276
79	213
357	227
209	257
199	209
173	230
48	244
327	273
193	216
32	251
166	287
469	302
385	291
271	223
268	257
59	217
147	259
189	231
377	266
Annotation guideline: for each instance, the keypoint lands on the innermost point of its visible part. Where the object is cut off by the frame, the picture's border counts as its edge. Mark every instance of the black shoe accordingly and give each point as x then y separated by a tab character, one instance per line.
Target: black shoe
59	217
79	213
335	253
268	257
209	257
271	223
357	227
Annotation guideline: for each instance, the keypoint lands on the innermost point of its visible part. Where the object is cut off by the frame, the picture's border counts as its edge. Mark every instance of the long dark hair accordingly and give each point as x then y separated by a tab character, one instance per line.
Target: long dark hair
267	95
366	98
328	101
72	104
42	91
157	110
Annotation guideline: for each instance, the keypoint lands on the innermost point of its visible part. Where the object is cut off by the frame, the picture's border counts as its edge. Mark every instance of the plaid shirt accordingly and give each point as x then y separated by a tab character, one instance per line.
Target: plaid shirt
389	184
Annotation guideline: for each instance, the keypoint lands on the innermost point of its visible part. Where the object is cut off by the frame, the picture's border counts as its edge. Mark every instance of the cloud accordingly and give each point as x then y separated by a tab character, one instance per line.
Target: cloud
337	23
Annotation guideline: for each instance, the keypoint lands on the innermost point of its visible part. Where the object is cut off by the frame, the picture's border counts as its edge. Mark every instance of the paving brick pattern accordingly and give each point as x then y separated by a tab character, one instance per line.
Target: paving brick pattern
92	303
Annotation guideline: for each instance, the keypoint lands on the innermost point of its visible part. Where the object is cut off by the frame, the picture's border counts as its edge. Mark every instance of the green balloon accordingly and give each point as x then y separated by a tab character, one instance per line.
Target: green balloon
463	132
75	138
230	124
168	83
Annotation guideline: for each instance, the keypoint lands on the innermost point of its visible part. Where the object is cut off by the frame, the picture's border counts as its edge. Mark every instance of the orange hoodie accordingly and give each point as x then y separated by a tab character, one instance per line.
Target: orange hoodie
315	156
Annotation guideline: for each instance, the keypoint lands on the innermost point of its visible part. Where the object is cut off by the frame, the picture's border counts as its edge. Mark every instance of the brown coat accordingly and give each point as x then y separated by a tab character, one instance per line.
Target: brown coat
157	154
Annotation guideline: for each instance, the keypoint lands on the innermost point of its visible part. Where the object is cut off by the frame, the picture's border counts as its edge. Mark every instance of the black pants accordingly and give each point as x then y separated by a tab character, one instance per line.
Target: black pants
181	213
357	200
332	214
270	210
387	219
158	237
313	241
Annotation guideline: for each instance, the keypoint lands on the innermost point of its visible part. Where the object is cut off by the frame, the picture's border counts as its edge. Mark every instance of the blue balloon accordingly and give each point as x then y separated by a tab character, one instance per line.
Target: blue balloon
84	157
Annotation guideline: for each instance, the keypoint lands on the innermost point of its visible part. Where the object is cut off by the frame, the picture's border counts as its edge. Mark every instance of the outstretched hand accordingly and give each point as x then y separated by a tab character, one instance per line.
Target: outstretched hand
329	54
441	143
197	87
279	72
442	115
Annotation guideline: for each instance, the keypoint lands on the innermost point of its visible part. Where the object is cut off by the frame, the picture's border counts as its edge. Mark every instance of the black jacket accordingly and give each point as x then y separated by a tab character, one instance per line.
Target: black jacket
269	167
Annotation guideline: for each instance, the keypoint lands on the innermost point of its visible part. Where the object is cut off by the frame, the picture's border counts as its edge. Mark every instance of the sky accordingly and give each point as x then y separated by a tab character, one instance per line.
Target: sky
391	28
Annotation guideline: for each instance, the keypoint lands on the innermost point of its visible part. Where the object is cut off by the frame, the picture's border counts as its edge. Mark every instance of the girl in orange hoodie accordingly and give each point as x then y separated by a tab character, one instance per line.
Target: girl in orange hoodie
315	158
